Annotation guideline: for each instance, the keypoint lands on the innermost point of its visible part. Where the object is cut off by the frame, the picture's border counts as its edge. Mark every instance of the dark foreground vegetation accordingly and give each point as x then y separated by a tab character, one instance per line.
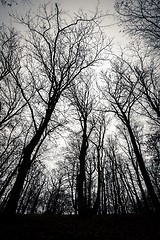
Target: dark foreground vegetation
37	227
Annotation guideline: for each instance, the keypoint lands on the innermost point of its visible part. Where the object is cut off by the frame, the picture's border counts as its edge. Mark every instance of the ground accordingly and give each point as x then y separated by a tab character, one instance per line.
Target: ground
51	227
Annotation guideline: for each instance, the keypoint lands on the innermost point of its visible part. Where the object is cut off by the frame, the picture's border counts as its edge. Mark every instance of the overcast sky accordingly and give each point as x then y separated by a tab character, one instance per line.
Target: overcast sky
71	5
68	5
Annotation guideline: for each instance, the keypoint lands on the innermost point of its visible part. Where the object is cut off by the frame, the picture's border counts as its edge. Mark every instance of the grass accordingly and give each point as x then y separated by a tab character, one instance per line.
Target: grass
52	227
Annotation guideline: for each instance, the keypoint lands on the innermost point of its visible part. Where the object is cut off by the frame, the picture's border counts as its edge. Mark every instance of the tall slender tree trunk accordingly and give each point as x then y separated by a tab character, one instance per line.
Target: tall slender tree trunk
153	196
82	205
96	206
11	205
146	205
8	181
35	203
24	167
89	190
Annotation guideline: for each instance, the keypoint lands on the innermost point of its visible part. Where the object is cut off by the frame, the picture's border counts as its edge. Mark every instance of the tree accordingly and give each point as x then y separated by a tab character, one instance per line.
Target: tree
98	141
12	105
153	149
11	102
129	152
146	67
10	51
11	148
117	183
83	101
149	86
141	18
121	93
9	3
70	166
56	53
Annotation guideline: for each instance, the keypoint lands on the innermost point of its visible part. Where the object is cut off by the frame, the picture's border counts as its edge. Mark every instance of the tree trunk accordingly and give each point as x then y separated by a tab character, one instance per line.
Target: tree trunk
144	172
82	206
146	205
26	162
7	181
17	188
96	206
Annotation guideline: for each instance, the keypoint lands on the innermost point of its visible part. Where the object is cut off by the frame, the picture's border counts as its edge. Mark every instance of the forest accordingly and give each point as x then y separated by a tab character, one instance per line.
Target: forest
79	121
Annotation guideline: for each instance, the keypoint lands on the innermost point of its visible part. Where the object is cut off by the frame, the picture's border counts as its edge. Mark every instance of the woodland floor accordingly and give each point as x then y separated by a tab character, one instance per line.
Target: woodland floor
110	227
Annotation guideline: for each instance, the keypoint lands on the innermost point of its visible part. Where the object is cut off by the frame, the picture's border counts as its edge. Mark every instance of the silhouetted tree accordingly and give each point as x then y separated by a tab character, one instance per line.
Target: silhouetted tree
99	145
11	102
83	101
30	195
121	93
141	18
9	3
70	166
129	152
149	86
153	148
57	52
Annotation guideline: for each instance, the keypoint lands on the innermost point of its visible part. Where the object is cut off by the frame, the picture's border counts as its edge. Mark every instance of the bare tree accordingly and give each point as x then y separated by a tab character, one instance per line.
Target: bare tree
56	53
83	100
153	148
122	95
9	3
33	186
70	165
141	18
11	102
129	152
10	51
98	141
150	88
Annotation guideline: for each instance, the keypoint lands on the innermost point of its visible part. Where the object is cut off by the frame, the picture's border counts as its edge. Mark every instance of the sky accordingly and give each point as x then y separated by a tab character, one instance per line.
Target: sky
71	5
68	5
